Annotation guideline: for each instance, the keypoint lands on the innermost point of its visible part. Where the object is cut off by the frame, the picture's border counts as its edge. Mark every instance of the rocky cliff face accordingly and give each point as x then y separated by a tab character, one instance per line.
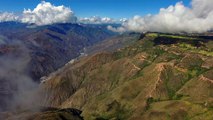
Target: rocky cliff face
151	79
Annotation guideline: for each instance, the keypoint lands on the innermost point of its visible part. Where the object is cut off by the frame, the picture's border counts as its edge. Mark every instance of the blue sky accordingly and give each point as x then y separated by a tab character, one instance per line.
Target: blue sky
87	8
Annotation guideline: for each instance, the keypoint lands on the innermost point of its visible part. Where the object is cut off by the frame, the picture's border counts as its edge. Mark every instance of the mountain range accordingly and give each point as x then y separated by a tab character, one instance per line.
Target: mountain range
29	52
50	47
92	73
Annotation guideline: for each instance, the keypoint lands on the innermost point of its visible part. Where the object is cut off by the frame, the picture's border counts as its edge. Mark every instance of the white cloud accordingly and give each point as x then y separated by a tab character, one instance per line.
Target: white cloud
5	16
97	20
123	20
119	29
45	13
177	18
108	20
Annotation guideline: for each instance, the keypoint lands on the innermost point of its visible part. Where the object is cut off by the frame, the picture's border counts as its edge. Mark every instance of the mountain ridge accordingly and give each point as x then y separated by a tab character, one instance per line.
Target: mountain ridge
131	82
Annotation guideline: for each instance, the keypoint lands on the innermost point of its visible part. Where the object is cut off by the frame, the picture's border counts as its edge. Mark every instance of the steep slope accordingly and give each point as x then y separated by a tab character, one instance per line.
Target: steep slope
113	43
28	53
50	47
152	79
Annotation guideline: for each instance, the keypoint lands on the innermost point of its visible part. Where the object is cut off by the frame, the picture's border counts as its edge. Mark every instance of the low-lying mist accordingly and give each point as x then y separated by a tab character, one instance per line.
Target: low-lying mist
17	89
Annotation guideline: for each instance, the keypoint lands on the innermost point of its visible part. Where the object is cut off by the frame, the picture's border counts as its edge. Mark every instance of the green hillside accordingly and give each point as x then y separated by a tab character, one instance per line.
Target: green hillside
152	79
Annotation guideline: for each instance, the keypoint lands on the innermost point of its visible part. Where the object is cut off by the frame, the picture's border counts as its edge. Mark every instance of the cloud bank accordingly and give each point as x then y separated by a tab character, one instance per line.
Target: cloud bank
174	19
